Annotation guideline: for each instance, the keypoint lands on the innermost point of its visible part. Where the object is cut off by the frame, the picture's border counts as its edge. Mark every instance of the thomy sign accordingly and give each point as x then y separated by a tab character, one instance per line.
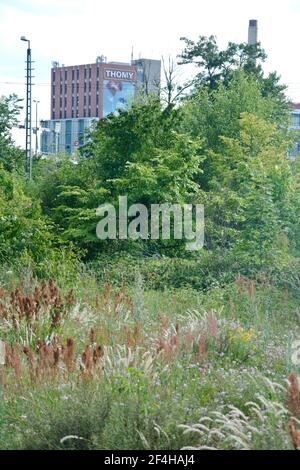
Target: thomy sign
119	74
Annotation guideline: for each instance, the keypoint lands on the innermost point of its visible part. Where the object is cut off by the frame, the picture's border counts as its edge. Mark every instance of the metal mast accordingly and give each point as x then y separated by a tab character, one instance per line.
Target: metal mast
28	118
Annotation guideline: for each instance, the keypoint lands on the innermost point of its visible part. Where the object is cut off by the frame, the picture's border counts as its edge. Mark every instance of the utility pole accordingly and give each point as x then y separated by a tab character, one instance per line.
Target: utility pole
36	125
28	120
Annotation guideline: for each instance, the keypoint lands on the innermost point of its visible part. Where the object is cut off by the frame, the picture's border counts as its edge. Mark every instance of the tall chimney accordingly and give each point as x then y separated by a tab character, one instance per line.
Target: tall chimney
252	32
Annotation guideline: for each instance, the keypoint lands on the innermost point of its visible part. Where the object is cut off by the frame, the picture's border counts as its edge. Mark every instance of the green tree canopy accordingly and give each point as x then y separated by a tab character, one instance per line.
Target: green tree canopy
214	65
11	157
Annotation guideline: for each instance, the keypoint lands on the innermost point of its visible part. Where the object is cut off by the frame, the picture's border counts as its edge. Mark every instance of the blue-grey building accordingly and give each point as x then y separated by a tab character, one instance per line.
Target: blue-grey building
295	126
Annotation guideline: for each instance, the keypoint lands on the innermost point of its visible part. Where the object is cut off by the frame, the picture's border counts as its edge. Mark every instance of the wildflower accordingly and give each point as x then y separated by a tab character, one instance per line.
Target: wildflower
293	400
239	334
295	435
69	353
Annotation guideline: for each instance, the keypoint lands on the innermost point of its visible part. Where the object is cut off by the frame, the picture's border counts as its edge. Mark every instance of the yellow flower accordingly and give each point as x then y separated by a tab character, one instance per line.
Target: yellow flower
239	334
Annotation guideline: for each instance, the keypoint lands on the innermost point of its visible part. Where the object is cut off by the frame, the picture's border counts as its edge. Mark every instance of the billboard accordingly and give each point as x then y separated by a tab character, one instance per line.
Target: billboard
117	94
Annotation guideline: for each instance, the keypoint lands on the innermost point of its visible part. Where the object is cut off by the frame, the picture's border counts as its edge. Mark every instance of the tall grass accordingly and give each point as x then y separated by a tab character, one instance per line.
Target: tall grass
95	367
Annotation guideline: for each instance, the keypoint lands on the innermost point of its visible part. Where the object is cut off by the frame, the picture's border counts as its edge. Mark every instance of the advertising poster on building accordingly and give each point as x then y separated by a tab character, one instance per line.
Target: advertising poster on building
117	94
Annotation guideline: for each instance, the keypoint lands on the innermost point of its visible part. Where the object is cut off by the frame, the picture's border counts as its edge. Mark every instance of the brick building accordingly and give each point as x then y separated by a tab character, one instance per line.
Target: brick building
81	94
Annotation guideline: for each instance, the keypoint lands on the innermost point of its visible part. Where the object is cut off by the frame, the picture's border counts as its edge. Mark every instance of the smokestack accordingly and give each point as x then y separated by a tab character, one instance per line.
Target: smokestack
252	32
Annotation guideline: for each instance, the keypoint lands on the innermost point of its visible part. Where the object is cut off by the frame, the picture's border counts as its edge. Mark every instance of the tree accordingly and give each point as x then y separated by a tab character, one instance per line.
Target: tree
217	65
250	203
210	115
25	233
11	157
139	153
171	89
117	140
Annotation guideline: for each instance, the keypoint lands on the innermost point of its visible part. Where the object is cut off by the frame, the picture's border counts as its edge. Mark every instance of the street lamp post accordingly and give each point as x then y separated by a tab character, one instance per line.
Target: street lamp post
36	125
28	121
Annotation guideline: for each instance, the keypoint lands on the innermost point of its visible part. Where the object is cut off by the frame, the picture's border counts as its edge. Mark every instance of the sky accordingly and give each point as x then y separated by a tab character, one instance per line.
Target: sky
76	32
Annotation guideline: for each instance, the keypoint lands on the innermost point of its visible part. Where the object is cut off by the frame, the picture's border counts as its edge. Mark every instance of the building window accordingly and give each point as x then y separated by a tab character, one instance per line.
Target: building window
66	75
60	114
81	131
65	89
89	100
85	73
296	120
90	87
60	89
60	102
90	72
73	74
77	74
84	100
77	88
84	87
68	140
97	72
73	88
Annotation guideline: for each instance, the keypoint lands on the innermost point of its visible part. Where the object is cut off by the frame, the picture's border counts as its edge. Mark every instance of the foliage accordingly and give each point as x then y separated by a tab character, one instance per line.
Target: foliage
251	203
10	156
24	233
217	65
194	154
122	345
140	154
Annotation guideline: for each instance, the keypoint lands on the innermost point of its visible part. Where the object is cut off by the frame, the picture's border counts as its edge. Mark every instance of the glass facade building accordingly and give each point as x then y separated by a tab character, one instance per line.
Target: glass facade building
64	135
295	126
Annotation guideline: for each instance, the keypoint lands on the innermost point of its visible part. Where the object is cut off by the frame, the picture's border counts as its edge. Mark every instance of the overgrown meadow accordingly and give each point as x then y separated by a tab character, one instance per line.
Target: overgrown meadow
135	369
140	344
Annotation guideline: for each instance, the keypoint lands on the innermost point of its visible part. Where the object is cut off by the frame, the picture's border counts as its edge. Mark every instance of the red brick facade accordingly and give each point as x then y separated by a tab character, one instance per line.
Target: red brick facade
77	90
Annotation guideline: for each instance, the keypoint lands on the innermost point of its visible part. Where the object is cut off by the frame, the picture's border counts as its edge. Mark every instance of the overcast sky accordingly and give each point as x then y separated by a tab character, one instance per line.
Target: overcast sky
75	31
